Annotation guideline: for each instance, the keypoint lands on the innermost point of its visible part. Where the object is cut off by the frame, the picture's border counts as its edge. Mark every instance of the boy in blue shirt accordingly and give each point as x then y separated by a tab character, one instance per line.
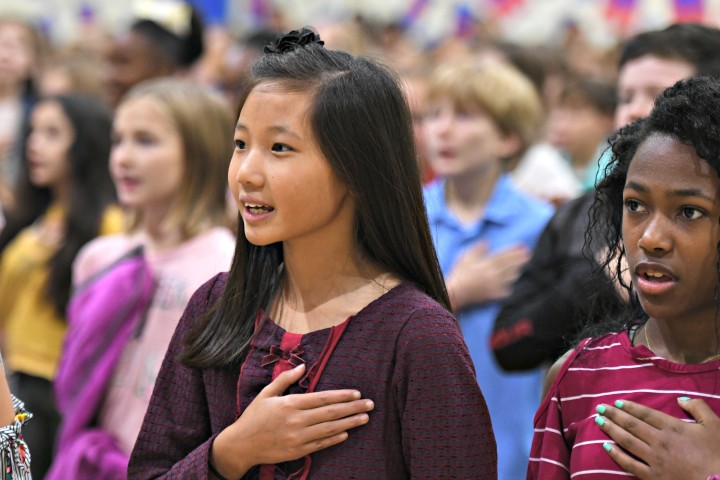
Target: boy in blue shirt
480	118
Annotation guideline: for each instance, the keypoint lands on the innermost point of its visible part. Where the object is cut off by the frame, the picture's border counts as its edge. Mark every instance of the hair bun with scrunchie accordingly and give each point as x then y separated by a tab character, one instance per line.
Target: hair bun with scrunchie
287	42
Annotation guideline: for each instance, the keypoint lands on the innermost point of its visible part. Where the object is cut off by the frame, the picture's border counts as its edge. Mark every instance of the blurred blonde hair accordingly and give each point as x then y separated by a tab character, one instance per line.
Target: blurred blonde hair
79	68
205	123
496	88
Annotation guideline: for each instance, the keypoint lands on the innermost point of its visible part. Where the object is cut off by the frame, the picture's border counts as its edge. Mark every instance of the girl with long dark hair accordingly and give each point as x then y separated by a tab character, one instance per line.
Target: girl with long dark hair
65	199
334	292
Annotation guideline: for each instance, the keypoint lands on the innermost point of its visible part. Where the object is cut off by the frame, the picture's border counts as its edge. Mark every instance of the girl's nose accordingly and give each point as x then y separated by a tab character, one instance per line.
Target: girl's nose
655	238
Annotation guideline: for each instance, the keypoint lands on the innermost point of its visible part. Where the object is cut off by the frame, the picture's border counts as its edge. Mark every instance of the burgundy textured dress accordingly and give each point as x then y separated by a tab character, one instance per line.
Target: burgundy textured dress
403	351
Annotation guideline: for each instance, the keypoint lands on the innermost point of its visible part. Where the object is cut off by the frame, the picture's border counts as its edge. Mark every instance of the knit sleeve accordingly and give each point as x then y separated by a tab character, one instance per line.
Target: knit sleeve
445	424
175	438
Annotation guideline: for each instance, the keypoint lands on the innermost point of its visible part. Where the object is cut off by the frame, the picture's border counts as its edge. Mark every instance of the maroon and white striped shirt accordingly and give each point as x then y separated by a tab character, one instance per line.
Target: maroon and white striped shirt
568	442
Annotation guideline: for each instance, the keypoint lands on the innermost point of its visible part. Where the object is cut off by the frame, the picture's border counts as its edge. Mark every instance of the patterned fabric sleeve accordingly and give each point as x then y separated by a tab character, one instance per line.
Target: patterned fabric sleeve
446	427
14	454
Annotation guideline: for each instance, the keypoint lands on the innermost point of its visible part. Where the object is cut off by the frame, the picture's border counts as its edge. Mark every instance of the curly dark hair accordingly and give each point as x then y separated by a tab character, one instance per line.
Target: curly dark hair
688	111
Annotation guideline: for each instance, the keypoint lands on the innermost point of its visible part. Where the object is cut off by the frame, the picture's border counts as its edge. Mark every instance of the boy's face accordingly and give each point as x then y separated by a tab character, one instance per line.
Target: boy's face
464	140
641	80
578	129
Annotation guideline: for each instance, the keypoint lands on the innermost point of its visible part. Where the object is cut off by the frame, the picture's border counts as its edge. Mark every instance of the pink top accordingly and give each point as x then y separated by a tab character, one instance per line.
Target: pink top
567	441
178	271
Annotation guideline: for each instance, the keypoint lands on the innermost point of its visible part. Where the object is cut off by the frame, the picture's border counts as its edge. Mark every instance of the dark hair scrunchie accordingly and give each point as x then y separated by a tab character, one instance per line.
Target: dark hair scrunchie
287	42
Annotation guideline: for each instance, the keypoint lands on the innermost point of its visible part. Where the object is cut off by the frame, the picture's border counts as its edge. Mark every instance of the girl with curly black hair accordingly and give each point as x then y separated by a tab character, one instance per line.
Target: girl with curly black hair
659	204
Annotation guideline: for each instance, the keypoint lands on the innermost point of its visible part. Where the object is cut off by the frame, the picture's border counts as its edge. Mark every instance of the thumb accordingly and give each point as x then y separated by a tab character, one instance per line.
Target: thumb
697	409
278	386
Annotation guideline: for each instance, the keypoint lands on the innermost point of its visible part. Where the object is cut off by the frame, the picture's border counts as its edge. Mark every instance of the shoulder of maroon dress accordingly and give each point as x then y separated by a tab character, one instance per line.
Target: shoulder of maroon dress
209	292
217	287
407	301
422	301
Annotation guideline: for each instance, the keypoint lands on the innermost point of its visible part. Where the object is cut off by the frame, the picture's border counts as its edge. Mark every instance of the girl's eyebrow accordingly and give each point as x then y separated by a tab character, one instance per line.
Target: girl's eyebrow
681	192
689	192
635	186
274	129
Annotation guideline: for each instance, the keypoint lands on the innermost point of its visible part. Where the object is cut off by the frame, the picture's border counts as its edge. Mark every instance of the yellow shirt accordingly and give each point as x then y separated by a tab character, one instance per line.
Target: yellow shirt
33	330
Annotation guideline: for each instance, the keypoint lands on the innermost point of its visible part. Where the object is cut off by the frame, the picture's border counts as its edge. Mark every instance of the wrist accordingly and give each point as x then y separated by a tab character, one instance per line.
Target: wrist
224	461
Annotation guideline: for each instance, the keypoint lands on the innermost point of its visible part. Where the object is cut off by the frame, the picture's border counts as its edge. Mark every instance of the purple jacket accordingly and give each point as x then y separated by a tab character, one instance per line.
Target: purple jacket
102	315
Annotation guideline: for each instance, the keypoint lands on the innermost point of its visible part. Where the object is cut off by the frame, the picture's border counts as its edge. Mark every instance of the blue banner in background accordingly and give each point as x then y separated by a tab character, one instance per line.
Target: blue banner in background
212	11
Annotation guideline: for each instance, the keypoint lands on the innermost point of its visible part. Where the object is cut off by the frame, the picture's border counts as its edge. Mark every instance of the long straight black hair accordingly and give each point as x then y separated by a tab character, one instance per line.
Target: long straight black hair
362	124
91	190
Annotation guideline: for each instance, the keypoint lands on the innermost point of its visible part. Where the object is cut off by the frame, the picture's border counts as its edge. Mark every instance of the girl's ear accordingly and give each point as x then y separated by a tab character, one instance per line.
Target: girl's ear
510	145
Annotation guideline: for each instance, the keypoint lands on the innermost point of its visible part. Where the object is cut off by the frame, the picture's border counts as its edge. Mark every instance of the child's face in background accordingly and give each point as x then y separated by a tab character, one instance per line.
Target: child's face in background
284	187
461	141
48	146
147	157
578	130
671	229
17	56
131	59
641	80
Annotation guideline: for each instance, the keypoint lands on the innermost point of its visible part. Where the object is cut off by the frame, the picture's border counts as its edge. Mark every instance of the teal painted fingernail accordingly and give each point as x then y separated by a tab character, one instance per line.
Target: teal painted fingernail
600	420
619	403
600	409
607	446
684	399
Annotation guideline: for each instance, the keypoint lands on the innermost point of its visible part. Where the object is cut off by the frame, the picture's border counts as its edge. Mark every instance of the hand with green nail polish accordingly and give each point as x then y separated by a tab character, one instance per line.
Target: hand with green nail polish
652	445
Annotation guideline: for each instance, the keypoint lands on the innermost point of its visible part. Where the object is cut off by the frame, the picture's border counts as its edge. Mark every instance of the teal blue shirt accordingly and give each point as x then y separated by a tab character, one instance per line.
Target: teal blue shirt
595	171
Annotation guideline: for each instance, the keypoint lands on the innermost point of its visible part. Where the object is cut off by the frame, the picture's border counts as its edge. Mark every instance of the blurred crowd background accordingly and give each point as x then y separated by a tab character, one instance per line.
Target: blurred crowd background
426	21
544	72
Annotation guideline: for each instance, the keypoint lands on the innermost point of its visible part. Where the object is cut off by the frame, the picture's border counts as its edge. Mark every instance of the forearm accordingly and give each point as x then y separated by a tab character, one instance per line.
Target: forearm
7	411
224	458
463	295
544	312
